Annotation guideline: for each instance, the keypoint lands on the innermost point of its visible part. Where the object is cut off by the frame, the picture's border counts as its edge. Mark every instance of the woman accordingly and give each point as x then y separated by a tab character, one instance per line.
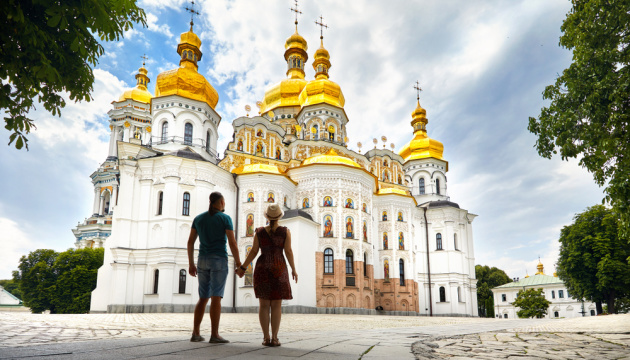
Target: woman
271	278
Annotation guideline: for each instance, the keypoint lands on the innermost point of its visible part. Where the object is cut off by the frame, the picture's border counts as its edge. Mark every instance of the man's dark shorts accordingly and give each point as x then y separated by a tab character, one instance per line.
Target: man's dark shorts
212	271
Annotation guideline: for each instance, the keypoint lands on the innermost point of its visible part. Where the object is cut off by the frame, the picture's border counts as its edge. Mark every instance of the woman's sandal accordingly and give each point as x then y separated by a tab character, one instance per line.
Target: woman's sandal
275	342
267	342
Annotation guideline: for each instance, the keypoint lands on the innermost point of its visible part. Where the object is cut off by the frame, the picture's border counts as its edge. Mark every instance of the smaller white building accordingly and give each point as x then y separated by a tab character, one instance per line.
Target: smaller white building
562	304
6	298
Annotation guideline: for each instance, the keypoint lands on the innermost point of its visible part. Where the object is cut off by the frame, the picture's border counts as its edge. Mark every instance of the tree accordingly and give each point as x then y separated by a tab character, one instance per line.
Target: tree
532	303
488	278
592	260
49	47
59	282
589	114
36	277
12	286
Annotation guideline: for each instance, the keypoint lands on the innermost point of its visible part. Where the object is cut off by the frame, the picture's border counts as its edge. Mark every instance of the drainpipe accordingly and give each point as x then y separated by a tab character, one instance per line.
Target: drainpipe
236	238
426	229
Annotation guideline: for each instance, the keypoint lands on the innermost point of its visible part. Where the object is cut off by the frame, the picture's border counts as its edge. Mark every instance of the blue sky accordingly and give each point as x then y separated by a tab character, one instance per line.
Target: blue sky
482	65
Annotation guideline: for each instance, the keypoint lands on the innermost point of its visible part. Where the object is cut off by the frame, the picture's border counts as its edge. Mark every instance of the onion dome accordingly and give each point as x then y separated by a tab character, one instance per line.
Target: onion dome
185	81
139	92
287	92
421	146
322	90
540	268
330	158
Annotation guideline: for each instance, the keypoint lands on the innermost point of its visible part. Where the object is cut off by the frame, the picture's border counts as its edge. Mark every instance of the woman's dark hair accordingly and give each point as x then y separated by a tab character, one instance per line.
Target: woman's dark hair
214	198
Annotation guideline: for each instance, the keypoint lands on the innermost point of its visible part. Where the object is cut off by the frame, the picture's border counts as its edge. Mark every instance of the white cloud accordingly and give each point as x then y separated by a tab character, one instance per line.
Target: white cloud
15	242
162	4
153	24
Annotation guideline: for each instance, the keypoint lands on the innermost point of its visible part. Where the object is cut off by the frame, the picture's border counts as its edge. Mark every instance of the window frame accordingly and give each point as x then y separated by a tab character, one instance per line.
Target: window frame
156	281
349	262
160	202
164	131
329	261
186	204
438	241
442	291
188	137
421	186
401	270
182	281
437	186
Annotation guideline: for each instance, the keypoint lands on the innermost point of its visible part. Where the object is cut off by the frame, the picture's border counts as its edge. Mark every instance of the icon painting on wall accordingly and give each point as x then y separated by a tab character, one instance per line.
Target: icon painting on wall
328	230
349	228
306	203
349	204
250	197
328	201
250	225
271	197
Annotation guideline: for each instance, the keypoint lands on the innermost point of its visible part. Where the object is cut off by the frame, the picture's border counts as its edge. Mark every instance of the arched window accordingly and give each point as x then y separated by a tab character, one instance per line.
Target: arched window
555	314
349	262
459	294
315	132
156	278
438	241
592	312
186	205
208	141
182	281
401	269
437	186
442	294
160	202
553	294
455	241
421	186
365	264
165	131
188	133
328	261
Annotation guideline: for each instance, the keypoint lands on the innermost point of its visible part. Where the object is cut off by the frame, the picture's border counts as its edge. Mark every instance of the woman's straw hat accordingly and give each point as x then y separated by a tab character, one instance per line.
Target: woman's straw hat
274	212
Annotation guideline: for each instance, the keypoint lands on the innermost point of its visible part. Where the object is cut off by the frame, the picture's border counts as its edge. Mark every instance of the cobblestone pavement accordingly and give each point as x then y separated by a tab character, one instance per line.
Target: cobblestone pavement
165	336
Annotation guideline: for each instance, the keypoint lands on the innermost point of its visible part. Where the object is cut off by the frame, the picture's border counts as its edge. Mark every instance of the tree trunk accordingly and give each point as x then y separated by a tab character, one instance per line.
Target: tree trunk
610	301
598	306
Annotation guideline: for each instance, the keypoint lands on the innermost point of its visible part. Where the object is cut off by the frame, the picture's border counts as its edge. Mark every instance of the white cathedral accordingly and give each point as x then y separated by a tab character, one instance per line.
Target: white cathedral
373	232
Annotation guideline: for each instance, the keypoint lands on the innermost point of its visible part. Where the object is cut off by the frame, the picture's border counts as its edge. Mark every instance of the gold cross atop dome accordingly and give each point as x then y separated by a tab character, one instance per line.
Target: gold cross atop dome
144	58
418	89
322	26
296	11
192	12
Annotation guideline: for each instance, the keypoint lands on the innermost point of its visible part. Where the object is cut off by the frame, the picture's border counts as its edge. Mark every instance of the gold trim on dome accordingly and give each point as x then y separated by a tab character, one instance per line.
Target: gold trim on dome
330	158
392	191
188	83
285	93
322	91
257	168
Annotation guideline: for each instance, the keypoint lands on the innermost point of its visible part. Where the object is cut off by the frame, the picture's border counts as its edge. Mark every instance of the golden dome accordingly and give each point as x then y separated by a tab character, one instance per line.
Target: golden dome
296	41
540	268
139	92
330	158
322	91
421	146
186	81
285	93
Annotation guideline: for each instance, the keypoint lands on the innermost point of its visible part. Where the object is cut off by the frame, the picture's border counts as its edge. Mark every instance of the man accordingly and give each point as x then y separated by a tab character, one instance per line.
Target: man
214	229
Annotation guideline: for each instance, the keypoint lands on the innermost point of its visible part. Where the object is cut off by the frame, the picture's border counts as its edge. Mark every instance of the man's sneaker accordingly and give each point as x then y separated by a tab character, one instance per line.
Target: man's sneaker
218	340
197	338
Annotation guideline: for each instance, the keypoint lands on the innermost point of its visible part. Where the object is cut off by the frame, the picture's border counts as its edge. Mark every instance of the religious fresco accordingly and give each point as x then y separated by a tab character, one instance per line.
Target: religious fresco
384	215
349	228
385	164
328	224
248	278
306	203
399	180
386	270
259	133
349	204
385	176
400	217
385	241
271	197
250	225
260	149
278	154
239	146
365	238
328	201
364	207
250	197
401	241
285	201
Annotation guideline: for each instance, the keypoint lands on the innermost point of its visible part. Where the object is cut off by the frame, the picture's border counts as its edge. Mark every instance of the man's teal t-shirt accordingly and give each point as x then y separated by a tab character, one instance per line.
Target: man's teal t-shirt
211	230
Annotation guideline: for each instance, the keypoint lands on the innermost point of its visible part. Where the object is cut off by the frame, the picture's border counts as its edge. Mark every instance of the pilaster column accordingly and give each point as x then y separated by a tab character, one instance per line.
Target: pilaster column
113	200
112	141
97	191
101	205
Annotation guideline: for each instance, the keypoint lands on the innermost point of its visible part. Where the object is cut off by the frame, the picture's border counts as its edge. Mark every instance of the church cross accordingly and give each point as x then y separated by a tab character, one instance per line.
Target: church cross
144	58
322	26
192	12
418	89
296	11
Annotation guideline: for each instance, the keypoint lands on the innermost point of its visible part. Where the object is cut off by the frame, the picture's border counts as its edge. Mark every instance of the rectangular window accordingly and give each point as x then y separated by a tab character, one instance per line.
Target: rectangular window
503	297
560	294
553	294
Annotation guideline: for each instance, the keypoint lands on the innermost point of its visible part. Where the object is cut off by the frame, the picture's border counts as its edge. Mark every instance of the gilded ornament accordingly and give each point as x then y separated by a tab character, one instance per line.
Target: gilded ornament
271	114
111	127
127	124
148	128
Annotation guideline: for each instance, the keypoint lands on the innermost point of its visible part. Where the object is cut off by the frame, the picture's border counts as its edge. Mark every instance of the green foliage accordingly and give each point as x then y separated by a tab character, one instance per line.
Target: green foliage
488	278
532	303
589	114
490	307
59	282
13	287
592	261
49	47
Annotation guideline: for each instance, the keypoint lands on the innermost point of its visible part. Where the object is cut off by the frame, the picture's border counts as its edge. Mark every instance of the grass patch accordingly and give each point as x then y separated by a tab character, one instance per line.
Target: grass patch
366	351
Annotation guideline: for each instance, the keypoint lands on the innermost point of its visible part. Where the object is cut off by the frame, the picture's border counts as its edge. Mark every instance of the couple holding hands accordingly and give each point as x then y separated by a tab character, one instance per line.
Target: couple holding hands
271	277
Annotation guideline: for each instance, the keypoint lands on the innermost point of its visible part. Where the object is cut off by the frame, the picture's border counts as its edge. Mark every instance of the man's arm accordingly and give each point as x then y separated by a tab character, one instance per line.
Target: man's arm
192	269
233	247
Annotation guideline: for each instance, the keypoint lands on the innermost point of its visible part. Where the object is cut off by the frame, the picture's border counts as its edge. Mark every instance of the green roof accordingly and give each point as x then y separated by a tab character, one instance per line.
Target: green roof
533	280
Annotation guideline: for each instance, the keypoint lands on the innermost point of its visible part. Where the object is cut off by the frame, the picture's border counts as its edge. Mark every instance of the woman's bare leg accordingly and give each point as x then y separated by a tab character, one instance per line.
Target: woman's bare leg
276	314
263	316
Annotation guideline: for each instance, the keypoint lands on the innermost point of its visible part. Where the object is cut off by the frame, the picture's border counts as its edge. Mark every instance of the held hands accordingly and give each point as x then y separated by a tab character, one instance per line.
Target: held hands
294	275
239	271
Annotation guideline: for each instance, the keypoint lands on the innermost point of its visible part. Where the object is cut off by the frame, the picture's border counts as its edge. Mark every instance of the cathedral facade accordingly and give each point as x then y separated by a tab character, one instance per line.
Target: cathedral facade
371	232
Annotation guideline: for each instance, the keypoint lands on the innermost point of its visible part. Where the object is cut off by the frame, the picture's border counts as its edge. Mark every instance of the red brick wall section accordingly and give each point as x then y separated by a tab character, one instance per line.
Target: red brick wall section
332	290
393	297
